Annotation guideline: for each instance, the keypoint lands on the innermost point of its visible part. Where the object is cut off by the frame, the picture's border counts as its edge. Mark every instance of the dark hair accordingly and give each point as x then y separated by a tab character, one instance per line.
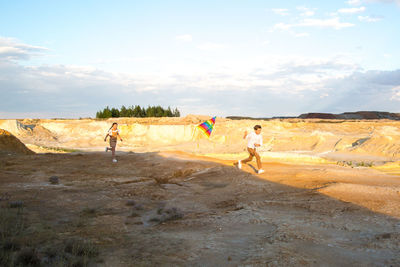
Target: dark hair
257	127
113	125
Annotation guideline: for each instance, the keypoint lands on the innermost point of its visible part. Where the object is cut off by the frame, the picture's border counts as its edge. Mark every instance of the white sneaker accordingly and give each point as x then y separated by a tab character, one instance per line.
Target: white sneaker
260	171
106	149
114	160
239	164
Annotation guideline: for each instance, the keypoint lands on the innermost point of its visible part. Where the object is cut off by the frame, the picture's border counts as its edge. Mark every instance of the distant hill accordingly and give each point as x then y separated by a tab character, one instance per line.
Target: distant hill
358	115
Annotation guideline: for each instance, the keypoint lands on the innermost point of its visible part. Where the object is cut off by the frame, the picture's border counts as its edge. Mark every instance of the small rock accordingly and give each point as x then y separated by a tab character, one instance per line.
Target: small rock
167	214
138	207
385	236
134	214
131	202
54	180
154	219
160	210
16	204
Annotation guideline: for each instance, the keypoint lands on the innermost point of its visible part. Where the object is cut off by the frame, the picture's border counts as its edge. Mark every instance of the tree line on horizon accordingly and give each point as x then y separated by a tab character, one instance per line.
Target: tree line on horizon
137	112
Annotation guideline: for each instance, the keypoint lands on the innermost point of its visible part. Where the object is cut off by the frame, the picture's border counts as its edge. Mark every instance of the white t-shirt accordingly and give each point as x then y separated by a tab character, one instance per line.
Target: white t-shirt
113	133
253	138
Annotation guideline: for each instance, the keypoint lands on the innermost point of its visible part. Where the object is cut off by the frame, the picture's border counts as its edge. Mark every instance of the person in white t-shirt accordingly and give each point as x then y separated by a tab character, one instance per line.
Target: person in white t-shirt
113	133
254	140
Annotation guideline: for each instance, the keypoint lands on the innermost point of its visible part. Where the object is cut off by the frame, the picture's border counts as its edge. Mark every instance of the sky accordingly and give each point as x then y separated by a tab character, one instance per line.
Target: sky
69	59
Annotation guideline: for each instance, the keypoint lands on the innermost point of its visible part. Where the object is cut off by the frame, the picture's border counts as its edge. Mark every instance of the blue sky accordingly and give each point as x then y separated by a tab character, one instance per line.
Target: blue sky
249	58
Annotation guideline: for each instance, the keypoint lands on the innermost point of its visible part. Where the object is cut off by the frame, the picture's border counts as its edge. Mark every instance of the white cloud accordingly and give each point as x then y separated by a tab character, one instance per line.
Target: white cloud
352	10
301	34
209	46
326	23
360	2
369	18
334	23
324	95
273	83
281	11
327	85
383	1
396	93
306	12
11	49
189	100
283	26
184	38
354	2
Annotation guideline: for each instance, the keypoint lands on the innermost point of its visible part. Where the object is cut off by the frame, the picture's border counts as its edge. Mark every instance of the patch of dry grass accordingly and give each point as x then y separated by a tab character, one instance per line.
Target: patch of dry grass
36	244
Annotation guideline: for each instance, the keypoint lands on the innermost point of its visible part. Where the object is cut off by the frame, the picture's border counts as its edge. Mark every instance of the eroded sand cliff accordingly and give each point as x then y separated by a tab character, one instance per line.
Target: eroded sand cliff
292	139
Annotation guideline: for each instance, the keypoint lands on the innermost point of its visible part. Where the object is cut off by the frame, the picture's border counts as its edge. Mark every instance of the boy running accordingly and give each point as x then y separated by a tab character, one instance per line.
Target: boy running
254	140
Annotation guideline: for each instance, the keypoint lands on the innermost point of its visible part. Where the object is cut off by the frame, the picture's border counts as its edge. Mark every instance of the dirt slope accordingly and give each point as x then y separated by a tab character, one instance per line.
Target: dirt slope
176	209
10	144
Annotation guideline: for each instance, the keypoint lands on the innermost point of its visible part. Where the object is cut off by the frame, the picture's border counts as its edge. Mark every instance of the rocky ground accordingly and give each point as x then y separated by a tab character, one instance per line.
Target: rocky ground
178	209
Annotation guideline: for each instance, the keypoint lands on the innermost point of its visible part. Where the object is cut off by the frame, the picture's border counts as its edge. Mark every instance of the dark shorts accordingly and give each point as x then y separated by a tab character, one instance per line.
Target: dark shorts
113	142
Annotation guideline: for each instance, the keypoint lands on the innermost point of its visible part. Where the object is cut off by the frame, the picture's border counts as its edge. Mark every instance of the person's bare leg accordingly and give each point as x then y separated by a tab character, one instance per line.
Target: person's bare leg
250	158
113	152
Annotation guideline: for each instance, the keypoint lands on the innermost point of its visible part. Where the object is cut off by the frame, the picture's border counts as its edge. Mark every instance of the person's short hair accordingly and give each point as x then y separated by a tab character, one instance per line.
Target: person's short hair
257	127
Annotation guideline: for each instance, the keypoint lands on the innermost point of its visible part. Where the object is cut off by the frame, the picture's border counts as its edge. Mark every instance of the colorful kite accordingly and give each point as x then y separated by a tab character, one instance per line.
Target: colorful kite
207	127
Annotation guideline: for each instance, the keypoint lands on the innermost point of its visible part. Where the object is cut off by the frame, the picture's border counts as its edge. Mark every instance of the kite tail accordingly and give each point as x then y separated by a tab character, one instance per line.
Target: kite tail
193	132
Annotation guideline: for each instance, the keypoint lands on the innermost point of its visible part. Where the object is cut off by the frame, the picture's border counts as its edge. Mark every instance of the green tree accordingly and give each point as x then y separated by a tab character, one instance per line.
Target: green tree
137	111
129	112
114	113
143	113
177	113
159	111
123	112
168	112
150	112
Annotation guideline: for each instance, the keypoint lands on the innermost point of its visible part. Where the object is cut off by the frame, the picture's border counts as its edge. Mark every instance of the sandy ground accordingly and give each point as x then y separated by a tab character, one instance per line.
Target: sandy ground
178	209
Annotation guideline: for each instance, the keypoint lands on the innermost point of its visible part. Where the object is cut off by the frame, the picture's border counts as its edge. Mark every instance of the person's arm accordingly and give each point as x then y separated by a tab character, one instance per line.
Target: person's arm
245	135
260	144
119	136
105	138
